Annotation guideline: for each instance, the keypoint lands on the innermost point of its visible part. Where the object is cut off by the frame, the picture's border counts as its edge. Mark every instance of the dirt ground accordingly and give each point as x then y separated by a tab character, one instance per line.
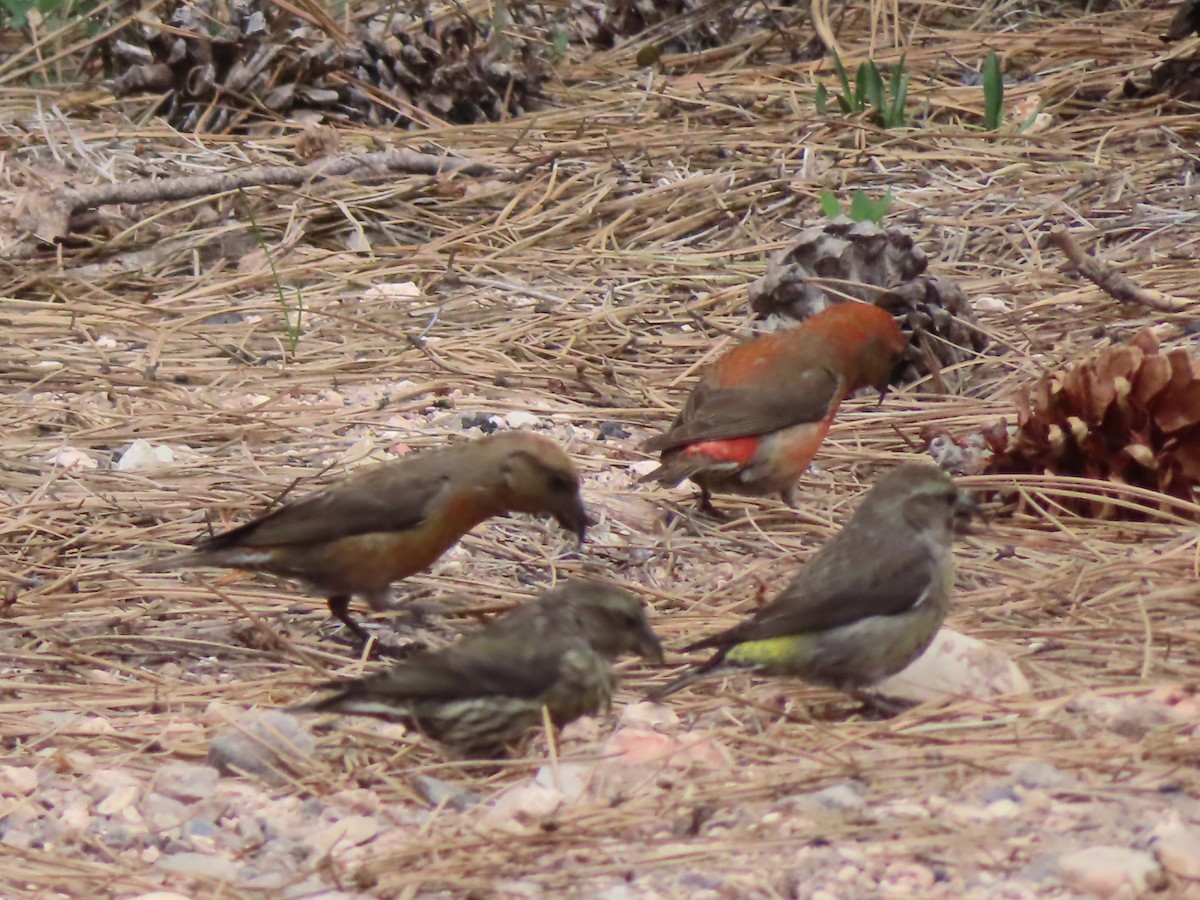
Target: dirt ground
576	291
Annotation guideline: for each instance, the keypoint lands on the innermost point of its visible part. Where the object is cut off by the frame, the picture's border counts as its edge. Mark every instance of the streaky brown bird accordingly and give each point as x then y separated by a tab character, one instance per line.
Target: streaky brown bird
489	688
395	519
758	415
866	604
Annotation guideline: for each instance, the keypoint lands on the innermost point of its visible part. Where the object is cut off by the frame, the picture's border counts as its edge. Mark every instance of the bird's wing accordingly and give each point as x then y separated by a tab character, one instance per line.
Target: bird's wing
715	413
385	498
825	596
496	666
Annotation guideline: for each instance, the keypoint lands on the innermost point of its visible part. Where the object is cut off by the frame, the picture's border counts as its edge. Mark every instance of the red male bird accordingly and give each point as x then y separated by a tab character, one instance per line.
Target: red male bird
395	519
759	413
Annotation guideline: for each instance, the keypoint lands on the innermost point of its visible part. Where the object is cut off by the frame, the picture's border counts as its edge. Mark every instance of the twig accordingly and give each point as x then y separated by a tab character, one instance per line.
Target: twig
49	217
1108	279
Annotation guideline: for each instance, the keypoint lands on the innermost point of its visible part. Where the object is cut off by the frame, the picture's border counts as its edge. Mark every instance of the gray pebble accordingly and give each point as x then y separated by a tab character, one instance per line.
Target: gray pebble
264	744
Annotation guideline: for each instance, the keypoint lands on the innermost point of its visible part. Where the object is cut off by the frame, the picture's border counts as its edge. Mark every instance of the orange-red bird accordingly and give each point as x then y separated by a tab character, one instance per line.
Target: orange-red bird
394	520
755	420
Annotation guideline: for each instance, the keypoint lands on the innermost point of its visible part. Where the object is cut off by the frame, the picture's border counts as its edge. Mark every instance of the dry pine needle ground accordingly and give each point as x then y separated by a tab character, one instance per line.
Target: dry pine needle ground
586	294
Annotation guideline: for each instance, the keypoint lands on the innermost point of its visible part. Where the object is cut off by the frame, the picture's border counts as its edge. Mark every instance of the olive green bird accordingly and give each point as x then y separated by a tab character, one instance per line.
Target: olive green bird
485	691
868	603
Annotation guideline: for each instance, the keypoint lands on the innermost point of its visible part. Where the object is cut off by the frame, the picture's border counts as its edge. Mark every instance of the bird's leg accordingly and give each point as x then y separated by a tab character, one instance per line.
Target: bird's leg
412	616
791	496
339	608
706	505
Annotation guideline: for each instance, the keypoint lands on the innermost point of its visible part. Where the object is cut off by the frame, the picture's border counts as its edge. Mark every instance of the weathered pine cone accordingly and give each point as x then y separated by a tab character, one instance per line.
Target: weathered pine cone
842	259
942	329
262	59
832	262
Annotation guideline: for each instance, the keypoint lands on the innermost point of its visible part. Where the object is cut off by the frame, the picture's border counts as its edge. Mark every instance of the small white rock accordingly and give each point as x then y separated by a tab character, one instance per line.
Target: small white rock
1037	773
522	808
1003	809
1109	871
655	716
16	838
94	725
583	730
392	290
835	798
644	466
71	458
990	304
262	742
346	832
115	802
141	454
518	419
75	818
956	665
199	864
1179	852
571	778
436	792
17	781
186	781
164	812
907	810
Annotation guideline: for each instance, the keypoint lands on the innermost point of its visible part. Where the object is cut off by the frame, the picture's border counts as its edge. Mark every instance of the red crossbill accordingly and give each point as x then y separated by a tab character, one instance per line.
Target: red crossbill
394	520
756	418
868	603
489	688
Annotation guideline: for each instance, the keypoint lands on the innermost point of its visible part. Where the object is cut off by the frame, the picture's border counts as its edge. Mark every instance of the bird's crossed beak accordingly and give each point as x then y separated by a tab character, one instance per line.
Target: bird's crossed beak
648	645
574	518
893	378
966	509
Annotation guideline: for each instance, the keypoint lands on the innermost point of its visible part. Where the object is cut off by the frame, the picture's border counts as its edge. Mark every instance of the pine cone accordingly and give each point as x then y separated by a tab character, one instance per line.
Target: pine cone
263	58
1185	21
843	259
832	262
942	327
1178	78
695	24
1126	414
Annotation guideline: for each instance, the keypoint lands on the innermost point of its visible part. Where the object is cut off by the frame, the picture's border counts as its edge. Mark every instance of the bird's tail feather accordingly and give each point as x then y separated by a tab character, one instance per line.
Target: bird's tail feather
230	558
679	466
661	475
676	468
348	700
710	668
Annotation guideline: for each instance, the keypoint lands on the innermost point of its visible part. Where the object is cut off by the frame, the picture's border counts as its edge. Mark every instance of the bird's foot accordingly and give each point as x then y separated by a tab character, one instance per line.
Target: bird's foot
690	520
876	707
339	607
370	645
706	507
394	652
